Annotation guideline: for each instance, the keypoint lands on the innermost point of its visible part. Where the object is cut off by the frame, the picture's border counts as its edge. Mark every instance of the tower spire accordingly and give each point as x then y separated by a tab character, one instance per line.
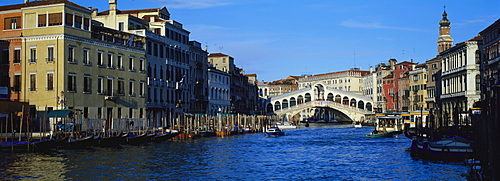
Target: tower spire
444	41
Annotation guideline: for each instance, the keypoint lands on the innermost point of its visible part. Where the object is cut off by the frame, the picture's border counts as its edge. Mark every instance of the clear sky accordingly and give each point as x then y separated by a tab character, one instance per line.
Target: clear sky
278	38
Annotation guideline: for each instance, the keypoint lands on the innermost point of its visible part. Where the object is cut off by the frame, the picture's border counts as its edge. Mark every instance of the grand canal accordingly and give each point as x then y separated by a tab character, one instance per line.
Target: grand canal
327	152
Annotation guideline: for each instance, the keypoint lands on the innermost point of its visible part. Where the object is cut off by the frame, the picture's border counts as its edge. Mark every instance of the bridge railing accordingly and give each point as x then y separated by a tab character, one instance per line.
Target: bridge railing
336	104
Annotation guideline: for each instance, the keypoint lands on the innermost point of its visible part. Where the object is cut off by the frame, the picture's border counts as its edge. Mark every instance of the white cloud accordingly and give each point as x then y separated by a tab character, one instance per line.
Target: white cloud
195	4
355	24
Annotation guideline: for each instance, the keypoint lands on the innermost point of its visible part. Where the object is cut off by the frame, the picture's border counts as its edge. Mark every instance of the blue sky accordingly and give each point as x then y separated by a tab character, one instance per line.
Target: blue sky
278	38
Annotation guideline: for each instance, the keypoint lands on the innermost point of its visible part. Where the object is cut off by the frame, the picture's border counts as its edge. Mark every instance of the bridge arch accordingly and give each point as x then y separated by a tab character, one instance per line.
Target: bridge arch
293	102
329	97
345	100
353	102
277	105
284	104
307	97
361	104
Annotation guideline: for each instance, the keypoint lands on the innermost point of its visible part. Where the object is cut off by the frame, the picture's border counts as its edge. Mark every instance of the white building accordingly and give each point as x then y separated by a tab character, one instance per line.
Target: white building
460	77
219	91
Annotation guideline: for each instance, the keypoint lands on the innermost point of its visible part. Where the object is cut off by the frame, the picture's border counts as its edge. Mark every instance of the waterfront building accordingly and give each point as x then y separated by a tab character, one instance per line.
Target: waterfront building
486	128
349	80
372	85
403	102
278	87
460	79
169	89
392	92
10	55
219	94
243	94
199	78
69	61
418	87
433	83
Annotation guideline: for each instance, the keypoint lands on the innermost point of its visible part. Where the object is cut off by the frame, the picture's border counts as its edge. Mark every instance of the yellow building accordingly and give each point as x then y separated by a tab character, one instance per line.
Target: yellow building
72	62
418	88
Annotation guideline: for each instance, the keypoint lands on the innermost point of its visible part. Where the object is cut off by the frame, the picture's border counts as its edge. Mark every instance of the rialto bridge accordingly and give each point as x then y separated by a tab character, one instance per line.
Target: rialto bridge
320	103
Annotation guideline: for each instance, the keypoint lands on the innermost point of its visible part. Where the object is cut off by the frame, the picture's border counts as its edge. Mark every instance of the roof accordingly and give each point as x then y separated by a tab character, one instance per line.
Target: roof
135	11
217	55
39	3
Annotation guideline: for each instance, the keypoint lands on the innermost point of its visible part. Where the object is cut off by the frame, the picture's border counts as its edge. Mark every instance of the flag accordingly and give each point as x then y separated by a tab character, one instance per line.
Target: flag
180	82
131	40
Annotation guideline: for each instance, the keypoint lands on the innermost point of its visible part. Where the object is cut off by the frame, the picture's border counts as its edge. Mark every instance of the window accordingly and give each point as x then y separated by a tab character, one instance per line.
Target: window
86	23
478	82
121	87
109	90
17	83
50	81
71	82
78	22
87	84
71	53
131	88
50	54
86	57
17	55
32	81
141	64
32	55
110	60
100	85
99	58
42	20
131	63
55	19
12	23
69	19
141	89
86	112
119	62
120	26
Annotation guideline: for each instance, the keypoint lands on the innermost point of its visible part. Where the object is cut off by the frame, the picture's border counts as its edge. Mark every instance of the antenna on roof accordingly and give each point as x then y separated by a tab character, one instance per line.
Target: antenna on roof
354	58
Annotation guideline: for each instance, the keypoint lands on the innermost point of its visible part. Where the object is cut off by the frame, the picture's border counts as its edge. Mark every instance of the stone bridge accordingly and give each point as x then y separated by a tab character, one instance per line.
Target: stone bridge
321	103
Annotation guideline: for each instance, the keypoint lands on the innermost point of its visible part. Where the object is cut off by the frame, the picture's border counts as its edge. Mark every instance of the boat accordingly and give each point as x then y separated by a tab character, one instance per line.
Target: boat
451	148
357	124
381	134
82	142
274	131
286	125
165	136
111	141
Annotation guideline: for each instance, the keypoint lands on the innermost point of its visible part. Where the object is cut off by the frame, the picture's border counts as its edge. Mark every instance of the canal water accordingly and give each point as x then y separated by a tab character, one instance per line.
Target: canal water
319	152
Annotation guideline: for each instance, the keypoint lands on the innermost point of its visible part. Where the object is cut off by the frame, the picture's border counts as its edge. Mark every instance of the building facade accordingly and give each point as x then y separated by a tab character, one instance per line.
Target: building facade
69	61
460	78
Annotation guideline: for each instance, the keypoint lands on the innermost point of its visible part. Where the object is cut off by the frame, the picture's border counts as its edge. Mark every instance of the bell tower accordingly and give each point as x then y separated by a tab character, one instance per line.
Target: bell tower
444	41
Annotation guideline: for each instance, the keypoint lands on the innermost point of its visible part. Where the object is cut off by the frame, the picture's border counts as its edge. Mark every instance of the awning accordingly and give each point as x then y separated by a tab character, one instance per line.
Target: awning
58	113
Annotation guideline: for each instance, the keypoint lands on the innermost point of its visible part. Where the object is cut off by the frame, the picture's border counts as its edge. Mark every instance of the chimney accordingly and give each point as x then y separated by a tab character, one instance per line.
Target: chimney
371	69
94	12
112	7
26	1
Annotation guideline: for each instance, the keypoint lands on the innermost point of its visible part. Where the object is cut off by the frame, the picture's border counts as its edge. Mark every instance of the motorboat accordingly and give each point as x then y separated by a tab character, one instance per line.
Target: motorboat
274	131
381	134
445	148
286	125
357	124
